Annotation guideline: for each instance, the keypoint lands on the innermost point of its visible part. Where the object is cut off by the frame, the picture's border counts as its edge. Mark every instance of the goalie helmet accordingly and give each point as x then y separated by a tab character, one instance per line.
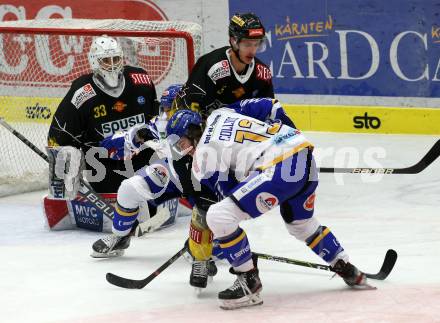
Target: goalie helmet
247	26
106	60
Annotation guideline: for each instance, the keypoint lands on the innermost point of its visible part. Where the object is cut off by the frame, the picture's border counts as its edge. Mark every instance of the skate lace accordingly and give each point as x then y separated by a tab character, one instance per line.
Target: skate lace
111	240
240	283
200	268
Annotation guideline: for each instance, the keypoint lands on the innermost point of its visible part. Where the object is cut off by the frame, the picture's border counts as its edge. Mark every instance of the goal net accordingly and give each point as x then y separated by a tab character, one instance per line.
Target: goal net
40	58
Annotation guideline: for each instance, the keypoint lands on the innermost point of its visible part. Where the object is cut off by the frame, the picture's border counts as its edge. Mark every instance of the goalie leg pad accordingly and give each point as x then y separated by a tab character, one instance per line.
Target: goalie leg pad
57	214
77	213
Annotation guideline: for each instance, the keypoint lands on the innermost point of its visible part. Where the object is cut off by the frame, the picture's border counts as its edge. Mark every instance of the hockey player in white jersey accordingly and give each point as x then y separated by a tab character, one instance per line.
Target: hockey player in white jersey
125	145
273	165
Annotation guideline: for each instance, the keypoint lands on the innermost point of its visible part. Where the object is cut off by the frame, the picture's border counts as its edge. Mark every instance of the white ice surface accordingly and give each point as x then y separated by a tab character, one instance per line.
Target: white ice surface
49	276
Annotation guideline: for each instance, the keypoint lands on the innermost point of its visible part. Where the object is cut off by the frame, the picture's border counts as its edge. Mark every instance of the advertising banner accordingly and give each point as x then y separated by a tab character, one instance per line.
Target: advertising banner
357	47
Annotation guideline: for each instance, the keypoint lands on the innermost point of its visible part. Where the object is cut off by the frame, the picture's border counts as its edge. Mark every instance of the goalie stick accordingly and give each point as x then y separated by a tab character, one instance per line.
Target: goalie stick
427	160
85	189
387	266
141	283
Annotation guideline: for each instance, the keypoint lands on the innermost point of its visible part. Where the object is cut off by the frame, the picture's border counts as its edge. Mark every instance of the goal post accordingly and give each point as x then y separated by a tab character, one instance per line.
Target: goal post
39	59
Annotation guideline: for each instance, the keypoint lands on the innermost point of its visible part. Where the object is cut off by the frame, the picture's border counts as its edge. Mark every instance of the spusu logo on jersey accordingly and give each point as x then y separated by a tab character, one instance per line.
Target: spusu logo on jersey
109	128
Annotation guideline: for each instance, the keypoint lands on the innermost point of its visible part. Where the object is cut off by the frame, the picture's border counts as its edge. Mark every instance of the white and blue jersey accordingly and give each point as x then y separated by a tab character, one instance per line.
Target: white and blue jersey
123	145
271	162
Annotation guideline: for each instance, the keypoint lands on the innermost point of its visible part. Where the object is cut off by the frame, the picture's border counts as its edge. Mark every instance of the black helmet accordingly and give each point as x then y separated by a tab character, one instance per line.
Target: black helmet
246	25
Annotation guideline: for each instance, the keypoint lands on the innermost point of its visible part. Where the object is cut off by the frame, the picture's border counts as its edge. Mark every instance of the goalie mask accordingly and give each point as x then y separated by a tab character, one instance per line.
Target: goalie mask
106	60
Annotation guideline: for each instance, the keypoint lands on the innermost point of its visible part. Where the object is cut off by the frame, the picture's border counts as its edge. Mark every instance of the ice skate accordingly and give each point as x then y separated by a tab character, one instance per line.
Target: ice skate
352	276
199	275
244	292
110	246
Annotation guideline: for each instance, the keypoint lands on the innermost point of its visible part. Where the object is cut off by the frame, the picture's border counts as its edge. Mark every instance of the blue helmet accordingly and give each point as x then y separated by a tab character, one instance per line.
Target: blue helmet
181	122
167	98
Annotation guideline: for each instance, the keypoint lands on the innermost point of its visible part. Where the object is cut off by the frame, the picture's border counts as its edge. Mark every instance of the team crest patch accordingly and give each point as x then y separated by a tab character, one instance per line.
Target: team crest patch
266	201
119	106
141	100
158	174
238	93
82	95
309	204
219	70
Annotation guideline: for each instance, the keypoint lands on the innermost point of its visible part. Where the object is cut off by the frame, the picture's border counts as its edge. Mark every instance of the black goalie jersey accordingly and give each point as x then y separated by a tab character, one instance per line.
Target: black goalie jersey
87	115
214	80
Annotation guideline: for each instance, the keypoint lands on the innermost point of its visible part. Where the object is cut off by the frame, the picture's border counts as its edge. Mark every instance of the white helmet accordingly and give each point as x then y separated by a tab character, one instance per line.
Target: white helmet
106	60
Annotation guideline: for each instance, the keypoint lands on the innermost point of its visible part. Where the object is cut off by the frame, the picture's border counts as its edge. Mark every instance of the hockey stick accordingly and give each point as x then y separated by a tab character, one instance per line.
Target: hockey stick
387	266
85	190
427	160
141	283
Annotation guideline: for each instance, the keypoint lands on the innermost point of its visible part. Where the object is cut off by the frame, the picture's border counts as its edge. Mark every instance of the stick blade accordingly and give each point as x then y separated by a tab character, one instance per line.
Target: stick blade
387	266
124	282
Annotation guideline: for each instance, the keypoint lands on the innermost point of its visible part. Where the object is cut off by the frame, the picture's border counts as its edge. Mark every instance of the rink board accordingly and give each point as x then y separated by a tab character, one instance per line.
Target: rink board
331	118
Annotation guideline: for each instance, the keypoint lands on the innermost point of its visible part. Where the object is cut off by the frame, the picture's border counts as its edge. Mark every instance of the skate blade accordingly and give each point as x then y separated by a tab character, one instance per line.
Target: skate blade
245	301
364	287
112	254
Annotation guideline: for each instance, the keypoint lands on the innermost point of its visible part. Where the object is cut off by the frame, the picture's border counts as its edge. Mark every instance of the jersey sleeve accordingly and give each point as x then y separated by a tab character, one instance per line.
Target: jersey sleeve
67	127
264	109
268	91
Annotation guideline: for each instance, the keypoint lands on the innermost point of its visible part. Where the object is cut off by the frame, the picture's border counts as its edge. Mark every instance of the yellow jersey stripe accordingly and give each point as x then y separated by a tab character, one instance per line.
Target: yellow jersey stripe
233	242
286	155
319	238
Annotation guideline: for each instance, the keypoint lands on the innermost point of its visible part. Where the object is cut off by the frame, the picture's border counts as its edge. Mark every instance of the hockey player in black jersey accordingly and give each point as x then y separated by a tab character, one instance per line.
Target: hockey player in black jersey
224	76
112	98
230	73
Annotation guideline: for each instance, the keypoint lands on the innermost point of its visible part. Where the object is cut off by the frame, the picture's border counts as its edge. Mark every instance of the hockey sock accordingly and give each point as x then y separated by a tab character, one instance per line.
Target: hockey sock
324	244
236	248
124	219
